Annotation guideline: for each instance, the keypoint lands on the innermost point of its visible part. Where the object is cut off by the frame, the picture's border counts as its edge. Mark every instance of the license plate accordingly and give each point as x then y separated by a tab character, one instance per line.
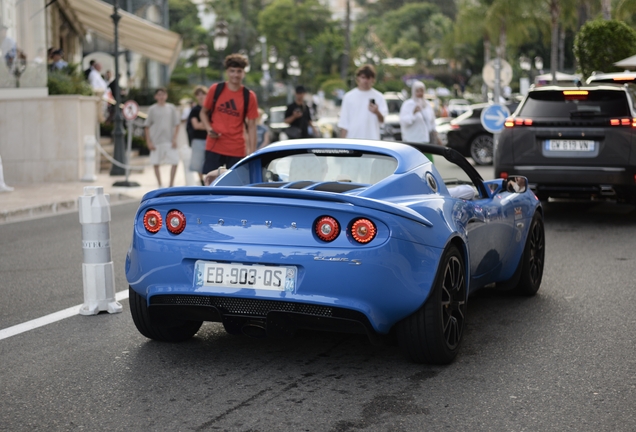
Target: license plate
570	145
235	275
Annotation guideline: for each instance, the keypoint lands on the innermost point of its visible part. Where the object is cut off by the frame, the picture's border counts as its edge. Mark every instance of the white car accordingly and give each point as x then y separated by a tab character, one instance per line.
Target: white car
457	107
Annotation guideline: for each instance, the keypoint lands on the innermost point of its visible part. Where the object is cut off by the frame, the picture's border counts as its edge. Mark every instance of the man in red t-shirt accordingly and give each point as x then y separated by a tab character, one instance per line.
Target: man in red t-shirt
226	144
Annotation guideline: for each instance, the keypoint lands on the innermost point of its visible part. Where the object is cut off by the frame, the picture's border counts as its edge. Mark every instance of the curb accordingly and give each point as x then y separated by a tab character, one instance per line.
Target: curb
67	206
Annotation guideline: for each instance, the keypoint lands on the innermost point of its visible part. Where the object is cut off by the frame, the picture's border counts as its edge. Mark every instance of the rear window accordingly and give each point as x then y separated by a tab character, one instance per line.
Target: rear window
597	103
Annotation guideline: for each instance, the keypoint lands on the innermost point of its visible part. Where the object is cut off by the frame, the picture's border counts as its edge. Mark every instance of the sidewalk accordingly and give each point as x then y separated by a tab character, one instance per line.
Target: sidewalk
32	201
46	199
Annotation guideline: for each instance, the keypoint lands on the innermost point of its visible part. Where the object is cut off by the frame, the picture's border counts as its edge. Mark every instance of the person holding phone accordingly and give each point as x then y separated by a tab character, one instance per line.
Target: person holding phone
363	108
298	117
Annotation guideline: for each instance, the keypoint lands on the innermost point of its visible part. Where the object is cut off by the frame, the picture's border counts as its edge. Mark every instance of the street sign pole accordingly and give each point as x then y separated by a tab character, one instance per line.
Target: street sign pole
496	99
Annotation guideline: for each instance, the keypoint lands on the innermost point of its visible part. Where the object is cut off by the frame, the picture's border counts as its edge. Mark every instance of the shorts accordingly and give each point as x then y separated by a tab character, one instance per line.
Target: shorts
215	160
198	155
164	154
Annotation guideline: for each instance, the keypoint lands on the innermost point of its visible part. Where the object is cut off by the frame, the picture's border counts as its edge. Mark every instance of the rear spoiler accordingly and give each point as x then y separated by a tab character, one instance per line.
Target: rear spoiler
307	195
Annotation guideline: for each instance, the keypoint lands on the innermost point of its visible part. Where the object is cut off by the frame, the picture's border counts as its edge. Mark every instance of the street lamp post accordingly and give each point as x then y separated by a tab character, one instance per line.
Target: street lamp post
203	60
524	82
265	68
118	131
293	70
221	40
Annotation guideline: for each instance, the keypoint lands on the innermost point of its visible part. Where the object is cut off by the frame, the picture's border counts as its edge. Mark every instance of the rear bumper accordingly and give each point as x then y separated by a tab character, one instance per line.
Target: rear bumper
575	179
383	284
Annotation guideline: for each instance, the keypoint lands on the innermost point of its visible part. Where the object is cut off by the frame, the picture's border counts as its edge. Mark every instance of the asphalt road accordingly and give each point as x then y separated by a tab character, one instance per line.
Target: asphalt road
562	360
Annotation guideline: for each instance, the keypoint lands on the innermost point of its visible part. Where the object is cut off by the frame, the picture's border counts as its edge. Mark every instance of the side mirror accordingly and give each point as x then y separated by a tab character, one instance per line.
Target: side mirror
516	184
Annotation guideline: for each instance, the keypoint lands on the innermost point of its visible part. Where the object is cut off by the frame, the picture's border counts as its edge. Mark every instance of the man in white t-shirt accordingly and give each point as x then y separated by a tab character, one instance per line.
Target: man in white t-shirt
363	108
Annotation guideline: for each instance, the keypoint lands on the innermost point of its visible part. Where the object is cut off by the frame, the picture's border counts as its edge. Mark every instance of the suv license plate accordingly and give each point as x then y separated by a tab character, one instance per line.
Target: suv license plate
570	145
236	275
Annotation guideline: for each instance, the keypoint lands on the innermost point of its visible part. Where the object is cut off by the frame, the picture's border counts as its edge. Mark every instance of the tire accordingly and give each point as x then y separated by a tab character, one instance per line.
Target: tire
167	331
433	333
481	149
533	259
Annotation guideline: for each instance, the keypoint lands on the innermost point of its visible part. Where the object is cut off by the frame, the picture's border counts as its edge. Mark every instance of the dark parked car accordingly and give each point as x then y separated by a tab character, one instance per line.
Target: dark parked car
276	122
574	142
468	136
390	129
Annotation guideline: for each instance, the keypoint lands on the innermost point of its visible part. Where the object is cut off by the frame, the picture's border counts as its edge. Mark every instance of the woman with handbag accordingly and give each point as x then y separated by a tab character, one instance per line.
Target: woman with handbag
417	118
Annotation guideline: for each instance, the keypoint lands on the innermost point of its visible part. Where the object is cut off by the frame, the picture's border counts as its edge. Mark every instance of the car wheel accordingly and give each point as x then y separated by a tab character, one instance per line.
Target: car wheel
433	333
166	331
533	259
481	149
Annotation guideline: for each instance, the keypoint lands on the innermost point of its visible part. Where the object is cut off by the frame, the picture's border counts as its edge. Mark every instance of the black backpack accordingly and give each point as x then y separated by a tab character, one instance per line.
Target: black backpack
246	99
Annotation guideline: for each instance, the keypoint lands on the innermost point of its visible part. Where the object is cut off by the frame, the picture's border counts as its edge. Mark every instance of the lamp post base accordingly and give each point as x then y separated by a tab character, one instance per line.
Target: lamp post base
126	183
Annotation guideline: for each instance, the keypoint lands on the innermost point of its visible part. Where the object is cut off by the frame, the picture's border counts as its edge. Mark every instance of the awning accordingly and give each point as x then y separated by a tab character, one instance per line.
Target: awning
629	62
135	33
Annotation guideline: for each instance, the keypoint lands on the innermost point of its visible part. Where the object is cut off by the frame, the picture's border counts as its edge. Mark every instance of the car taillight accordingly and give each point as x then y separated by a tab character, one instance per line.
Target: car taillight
175	221
621	122
511	122
454	126
327	228
503	175
363	230
152	221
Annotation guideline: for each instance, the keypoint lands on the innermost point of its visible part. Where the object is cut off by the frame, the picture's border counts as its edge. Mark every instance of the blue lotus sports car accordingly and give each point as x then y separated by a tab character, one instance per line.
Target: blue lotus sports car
340	235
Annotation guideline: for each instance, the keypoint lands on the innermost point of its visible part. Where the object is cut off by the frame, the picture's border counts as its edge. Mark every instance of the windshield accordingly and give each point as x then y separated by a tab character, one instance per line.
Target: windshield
349	166
599	103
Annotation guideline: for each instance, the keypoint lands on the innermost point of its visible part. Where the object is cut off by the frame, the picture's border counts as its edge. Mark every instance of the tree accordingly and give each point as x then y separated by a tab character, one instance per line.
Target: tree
184	19
601	43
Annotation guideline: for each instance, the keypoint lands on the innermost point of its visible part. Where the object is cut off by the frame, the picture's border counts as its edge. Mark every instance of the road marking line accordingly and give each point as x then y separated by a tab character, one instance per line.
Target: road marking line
49	319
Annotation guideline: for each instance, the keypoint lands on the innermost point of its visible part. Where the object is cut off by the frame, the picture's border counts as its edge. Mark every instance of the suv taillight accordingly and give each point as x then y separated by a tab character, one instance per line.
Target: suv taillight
511	122
623	122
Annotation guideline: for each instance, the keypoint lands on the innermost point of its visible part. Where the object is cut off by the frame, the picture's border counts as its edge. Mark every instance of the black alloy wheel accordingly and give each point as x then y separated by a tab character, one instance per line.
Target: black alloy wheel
433	333
533	258
481	148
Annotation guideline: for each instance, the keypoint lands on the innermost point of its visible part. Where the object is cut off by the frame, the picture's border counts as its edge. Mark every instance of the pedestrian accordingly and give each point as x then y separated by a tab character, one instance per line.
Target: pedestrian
162	127
95	79
197	134
363	108
298	117
8	46
58	61
263	134
87	72
227	106
417	119
3	186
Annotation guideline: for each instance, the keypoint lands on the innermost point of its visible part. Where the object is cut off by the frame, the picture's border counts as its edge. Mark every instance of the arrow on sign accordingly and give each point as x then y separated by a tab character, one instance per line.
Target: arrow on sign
499	118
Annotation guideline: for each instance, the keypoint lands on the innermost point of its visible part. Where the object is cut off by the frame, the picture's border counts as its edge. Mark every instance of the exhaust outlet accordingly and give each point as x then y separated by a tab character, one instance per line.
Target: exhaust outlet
255	328
607	190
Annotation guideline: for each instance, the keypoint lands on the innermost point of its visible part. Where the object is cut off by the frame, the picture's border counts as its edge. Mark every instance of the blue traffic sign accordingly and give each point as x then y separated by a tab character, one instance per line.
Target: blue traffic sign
493	117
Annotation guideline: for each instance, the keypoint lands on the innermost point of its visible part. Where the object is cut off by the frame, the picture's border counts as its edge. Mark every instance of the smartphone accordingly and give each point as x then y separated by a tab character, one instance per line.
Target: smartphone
372	101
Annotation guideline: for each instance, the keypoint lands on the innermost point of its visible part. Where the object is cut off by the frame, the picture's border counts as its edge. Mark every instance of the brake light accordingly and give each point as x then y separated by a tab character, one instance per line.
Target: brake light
152	221
634	122
363	231
175	221
327	228
503	175
575	94
623	79
454	126
510	122
621	122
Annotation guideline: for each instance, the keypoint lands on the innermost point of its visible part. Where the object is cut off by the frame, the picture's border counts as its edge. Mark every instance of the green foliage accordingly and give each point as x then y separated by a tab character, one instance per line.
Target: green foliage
331	85
184	19
601	43
68	81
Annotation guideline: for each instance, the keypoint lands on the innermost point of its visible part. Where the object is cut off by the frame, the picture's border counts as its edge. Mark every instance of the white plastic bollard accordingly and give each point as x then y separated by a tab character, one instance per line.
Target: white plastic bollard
97	269
90	149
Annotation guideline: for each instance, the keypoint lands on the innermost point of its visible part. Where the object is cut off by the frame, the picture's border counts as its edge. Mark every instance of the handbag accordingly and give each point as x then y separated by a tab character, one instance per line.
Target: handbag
293	132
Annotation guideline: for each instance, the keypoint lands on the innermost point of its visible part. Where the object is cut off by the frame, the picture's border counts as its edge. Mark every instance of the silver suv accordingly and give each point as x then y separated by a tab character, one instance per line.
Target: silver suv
574	142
